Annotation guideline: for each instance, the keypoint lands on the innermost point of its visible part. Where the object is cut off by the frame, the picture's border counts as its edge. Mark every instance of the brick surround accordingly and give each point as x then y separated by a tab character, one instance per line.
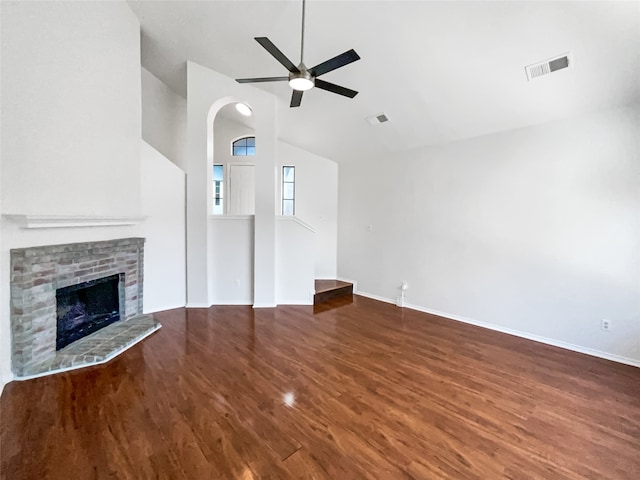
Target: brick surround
37	272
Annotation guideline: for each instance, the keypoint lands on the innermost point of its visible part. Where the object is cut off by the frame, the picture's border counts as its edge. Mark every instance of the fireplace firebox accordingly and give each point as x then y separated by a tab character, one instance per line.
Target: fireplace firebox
87	307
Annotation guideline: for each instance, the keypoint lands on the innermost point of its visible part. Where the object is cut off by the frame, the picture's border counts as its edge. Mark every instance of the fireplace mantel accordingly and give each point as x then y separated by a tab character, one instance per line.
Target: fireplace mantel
72	221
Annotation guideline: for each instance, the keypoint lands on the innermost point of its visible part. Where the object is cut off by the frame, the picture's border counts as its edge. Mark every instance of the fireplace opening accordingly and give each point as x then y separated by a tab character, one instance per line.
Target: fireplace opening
85	308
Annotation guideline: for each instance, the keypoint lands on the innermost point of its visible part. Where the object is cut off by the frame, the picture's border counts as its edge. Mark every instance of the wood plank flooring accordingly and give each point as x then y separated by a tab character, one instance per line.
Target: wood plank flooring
355	390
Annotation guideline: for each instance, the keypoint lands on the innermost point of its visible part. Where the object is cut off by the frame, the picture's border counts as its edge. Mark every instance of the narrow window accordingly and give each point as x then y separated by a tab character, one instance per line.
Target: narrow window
244	147
218	189
288	190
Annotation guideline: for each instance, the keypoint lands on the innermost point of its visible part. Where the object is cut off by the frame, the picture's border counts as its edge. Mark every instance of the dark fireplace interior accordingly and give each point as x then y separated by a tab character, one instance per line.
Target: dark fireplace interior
86	308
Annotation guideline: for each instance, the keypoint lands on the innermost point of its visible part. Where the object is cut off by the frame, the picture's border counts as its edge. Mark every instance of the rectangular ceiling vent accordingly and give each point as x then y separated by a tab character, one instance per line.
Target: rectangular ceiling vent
548	66
378	119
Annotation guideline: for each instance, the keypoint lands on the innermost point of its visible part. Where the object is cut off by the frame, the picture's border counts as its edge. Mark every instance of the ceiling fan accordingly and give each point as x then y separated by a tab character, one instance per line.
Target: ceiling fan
302	78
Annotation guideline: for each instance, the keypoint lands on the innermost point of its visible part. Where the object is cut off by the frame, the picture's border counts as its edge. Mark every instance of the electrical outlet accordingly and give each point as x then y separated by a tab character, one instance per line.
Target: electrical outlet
606	325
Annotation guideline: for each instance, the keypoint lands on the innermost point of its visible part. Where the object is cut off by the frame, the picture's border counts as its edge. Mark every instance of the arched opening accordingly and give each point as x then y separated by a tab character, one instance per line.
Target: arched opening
231	206
209	265
222	108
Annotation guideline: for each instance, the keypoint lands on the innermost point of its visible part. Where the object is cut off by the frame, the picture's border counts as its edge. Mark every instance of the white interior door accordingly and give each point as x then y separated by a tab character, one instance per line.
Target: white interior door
242	197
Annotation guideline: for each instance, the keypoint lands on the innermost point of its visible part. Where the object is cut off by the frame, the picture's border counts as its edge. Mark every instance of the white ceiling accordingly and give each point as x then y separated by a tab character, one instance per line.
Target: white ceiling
441	71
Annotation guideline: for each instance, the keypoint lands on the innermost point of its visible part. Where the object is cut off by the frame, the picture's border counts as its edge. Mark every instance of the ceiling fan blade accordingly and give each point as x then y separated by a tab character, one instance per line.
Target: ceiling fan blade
296	98
261	79
332	87
336	62
277	54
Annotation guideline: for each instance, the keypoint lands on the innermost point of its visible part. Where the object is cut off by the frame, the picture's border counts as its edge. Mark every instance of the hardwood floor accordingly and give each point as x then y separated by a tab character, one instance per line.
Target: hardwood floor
362	390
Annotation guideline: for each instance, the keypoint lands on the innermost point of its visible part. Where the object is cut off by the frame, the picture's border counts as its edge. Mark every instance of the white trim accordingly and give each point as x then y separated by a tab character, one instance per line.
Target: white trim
231	217
293	218
517	333
266	305
233	303
72	221
294	302
163	309
197	305
89	364
374	297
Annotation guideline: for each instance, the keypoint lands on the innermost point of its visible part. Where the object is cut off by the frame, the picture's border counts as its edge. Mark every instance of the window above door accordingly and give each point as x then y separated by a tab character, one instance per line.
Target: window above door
244	147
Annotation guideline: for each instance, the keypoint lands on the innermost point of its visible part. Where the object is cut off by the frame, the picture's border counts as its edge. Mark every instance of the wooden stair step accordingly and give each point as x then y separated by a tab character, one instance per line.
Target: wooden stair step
328	289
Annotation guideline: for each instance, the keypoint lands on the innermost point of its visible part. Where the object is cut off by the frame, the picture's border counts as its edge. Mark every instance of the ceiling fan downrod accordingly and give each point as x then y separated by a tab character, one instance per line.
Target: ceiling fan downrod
303	79
302	35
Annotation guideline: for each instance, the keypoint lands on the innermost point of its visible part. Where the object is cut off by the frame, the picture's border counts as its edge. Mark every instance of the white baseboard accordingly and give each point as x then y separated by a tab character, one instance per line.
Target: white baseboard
295	302
163	308
264	305
220	303
197	305
518	333
374	297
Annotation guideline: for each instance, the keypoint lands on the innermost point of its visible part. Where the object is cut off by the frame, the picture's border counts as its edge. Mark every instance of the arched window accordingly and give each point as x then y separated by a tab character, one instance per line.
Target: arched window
244	147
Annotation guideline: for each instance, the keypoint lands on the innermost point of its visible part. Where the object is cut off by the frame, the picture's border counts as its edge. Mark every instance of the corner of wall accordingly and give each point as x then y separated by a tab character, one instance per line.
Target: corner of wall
4	380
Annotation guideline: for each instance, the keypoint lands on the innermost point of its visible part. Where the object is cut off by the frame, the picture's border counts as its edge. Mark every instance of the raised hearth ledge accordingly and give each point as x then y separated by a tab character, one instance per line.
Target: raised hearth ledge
97	348
72	221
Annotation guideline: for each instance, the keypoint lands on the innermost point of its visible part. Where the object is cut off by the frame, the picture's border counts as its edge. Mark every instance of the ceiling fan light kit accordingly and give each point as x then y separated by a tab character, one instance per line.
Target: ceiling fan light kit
302	78
301	81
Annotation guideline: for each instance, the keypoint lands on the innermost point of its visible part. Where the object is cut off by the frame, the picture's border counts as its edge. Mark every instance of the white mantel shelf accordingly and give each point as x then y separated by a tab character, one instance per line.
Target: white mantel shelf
71	221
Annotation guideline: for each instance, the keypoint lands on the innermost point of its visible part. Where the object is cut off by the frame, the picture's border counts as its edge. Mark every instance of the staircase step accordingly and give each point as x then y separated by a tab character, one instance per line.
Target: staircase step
328	289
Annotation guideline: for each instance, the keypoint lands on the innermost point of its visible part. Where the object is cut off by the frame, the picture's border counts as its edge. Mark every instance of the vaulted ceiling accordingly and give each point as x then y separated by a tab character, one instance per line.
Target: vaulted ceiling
441	71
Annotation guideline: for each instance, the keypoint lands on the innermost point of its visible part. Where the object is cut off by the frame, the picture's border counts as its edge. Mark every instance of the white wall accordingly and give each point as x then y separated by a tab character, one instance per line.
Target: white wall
316	189
316	202
533	231
70	108
231	256
231	250
163	204
164	119
296	246
5	367
70	125
295	266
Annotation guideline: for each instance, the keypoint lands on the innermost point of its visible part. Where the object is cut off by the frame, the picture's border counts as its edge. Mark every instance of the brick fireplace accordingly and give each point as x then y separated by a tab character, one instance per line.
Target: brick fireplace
38	272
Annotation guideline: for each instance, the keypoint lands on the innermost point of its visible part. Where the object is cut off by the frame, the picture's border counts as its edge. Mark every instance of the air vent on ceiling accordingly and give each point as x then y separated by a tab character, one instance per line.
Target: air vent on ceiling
549	66
378	119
